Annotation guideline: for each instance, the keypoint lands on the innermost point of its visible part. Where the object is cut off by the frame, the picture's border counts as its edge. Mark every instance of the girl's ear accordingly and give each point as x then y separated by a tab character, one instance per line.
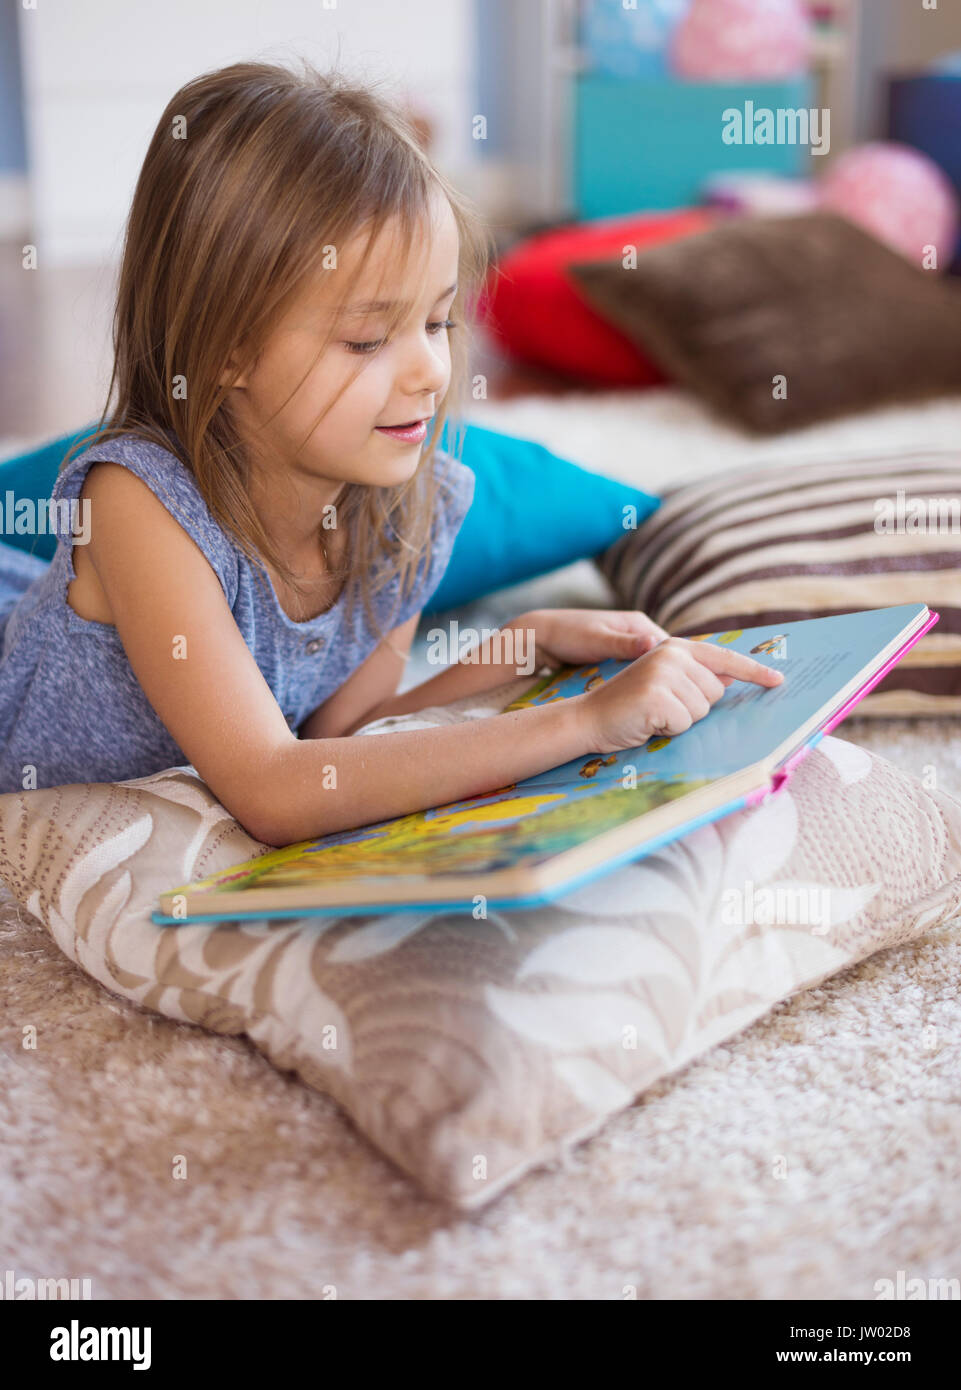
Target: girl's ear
231	375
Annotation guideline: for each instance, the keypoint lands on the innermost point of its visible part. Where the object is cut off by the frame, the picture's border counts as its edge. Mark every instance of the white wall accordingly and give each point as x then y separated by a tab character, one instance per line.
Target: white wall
98	73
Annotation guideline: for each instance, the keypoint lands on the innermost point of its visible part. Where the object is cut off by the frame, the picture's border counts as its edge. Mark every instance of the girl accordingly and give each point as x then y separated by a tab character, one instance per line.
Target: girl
268	510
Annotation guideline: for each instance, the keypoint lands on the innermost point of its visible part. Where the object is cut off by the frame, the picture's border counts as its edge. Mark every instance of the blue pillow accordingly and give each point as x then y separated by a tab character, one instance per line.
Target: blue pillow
532	513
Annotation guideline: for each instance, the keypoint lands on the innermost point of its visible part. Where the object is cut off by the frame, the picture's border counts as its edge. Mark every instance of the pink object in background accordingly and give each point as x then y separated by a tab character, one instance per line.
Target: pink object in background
898	195
734	40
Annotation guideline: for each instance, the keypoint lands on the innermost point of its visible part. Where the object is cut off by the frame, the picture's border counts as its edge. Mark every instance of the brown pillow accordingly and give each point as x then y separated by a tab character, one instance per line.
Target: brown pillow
753	547
846	322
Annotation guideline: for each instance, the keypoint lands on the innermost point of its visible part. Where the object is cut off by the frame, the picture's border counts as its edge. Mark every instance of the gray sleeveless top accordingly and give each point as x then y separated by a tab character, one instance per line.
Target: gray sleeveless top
70	704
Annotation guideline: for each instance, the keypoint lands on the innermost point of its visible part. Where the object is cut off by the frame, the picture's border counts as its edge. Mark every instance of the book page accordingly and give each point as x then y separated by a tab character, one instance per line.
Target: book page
818	657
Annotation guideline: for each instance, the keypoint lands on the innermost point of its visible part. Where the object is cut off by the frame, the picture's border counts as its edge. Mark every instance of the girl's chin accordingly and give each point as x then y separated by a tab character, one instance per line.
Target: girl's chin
400	458
392	471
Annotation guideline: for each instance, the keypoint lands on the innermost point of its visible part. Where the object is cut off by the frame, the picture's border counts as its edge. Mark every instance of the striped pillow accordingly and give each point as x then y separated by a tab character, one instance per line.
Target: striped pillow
754	547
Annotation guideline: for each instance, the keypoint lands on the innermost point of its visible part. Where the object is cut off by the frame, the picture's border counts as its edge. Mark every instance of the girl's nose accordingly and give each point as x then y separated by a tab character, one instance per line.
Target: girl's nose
425	368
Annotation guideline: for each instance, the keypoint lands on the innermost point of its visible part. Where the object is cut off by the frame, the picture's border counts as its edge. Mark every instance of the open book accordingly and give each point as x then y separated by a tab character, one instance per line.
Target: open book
527	843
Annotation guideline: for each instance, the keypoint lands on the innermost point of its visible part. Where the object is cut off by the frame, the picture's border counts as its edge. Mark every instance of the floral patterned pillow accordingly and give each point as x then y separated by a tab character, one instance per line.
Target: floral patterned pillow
470	1051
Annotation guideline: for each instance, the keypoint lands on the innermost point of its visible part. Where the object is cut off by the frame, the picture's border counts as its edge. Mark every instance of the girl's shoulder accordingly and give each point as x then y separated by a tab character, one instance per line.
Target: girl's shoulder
168	479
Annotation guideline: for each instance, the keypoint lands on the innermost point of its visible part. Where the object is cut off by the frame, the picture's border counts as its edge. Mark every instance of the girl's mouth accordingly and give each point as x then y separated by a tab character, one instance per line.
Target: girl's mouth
411	433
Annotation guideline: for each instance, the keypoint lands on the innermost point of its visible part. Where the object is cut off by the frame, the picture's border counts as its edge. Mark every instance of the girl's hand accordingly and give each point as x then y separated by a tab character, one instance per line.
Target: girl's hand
665	692
576	636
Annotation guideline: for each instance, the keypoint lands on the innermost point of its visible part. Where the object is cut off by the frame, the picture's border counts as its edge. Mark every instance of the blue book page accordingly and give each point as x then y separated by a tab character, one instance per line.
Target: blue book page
818	657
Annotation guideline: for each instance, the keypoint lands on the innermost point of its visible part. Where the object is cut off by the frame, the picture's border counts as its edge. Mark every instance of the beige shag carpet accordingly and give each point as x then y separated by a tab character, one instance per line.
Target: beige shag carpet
816	1153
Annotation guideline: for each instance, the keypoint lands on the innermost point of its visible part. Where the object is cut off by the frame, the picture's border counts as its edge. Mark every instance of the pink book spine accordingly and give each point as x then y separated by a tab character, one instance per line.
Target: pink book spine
785	772
869	685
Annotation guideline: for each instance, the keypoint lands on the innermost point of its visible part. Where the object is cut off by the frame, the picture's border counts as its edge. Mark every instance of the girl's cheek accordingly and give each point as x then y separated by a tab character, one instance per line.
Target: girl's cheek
371	392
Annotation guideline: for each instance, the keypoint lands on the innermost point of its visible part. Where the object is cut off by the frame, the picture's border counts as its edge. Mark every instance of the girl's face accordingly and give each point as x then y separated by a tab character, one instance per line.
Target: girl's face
404	381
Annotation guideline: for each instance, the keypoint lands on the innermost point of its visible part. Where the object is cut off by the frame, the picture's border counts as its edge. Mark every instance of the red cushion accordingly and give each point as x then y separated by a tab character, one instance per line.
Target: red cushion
536	311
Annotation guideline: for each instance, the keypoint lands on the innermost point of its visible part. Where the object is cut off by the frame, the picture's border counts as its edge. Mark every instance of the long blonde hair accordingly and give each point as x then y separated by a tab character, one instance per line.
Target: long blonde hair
253	173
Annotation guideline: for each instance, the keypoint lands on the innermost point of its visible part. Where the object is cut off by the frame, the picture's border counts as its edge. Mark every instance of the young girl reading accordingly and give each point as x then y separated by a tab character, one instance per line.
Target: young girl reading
268	510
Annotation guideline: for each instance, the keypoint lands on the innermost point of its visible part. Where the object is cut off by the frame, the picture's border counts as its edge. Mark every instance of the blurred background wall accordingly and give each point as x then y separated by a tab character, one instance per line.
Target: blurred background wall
578	124
13	143
82	83
98	73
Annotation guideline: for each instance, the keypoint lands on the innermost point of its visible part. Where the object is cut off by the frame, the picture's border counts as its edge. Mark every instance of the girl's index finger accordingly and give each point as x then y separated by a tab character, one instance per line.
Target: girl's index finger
722	661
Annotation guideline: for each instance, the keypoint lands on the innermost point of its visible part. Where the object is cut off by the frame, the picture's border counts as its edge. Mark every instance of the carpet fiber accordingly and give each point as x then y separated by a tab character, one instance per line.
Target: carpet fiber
850	1090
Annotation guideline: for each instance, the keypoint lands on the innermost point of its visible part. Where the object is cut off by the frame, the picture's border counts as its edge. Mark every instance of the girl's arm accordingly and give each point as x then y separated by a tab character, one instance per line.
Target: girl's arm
362	698
188	654
541	639
499	658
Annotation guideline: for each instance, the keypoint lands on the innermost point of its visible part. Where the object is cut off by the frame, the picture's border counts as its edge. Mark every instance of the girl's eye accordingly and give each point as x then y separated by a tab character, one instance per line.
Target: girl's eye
432	328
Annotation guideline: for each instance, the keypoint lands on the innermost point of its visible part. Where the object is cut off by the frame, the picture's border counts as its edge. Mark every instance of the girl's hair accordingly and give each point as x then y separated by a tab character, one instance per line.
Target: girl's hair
254	179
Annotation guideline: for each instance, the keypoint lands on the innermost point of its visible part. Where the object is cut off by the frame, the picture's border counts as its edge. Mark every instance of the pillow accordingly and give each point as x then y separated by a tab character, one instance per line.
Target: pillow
470	1051
778	322
753	547
538	314
532	513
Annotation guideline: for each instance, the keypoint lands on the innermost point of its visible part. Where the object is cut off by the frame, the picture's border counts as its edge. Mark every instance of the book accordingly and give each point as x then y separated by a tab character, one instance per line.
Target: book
525	844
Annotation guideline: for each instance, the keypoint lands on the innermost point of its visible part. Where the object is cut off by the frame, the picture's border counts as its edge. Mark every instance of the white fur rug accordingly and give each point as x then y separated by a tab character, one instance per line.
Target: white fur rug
658	437
811	1156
